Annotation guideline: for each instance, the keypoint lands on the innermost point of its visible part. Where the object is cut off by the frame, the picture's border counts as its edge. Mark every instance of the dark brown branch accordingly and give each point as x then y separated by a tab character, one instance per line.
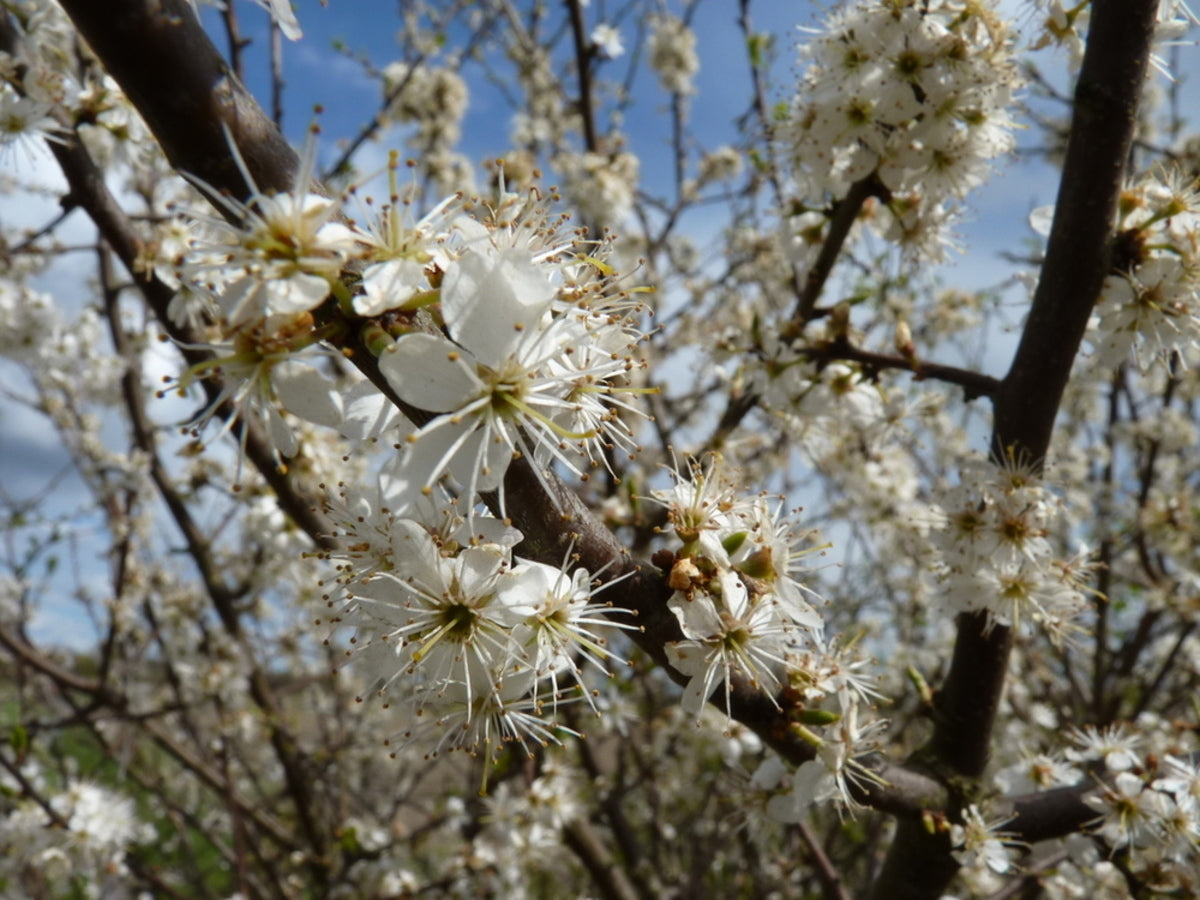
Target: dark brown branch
172	73
841	220
1077	255
1106	100
974	384
1051	814
607	874
277	82
237	43
1077	260
584	55
831	878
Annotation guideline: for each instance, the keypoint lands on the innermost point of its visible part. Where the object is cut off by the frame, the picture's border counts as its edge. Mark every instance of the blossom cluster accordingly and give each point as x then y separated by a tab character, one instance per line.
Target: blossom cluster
80	836
734	566
433	99
600	186
673	54
997	554
469	639
915	94
501	334
62	353
1149	307
1149	809
32	86
496	337
980	844
508	332
1059	24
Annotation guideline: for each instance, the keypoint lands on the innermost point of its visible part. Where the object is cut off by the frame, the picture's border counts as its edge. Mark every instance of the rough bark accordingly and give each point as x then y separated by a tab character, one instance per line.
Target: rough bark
1110	86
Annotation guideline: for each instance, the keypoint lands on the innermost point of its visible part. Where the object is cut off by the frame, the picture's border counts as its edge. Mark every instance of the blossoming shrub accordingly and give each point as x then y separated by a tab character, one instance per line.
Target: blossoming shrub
441	533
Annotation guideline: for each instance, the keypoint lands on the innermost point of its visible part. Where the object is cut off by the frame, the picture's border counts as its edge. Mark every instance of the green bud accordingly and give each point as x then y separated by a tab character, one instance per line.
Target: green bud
734	541
759	564
817	716
376	339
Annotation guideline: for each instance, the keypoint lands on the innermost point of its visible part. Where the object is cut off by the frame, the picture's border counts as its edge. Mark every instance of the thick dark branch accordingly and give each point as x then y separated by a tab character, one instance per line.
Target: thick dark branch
186	92
1077	254
1110	85
1051	814
841	220
1077	261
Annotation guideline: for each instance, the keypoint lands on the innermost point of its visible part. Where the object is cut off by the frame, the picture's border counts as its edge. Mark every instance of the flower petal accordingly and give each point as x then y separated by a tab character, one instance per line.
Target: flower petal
429	373
489	300
307	393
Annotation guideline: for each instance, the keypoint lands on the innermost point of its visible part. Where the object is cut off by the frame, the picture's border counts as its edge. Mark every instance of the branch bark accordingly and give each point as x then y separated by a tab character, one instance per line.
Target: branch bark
1026	404
170	70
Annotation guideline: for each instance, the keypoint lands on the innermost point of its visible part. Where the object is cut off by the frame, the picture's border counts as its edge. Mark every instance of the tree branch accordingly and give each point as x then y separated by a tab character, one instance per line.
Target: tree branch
169	70
583	64
974	384
1110	85
841	219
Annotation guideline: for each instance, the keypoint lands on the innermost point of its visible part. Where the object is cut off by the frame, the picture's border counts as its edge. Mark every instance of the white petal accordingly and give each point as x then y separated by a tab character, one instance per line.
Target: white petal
477	566
428	372
415	553
281	434
389	285
397	488
281	12
307	393
445	448
1041	219
337	238
484	463
298	293
490	300
695	695
691	659
769	774
368	414
244	301
698	617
